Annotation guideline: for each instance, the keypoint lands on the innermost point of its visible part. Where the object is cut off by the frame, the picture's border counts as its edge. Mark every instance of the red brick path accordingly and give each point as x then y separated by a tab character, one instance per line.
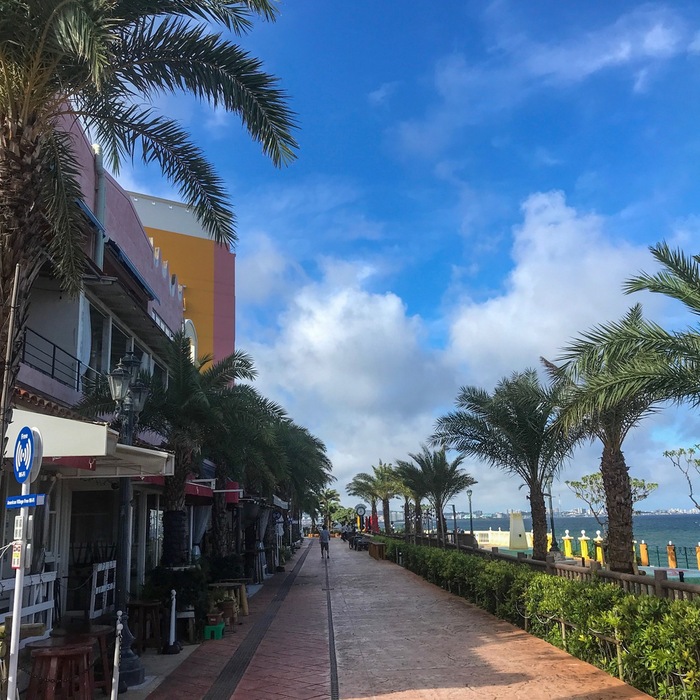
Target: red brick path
396	638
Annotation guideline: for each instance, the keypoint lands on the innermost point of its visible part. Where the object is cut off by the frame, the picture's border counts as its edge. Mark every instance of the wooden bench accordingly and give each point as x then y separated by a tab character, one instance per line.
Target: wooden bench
377	550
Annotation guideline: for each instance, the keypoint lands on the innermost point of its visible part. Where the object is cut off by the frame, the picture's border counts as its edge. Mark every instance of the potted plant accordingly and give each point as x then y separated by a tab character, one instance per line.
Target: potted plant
229	609
214	615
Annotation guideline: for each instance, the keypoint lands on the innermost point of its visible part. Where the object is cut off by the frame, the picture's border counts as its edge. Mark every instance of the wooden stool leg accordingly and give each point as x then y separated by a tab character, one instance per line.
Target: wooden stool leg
244	600
155	616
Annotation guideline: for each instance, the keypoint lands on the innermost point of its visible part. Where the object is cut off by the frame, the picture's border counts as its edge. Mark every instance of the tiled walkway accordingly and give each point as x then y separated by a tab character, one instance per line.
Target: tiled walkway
396	638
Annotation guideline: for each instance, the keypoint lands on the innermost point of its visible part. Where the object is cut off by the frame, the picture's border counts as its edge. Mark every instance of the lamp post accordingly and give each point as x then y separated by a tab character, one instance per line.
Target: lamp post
549	483
129	394
471	519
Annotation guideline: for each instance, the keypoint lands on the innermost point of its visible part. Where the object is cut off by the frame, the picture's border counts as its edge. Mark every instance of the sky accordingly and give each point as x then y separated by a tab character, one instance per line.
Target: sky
475	182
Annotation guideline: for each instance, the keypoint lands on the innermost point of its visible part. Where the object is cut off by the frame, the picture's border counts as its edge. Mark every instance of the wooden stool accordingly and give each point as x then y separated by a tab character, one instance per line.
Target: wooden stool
143	613
105	635
62	672
214	631
189	616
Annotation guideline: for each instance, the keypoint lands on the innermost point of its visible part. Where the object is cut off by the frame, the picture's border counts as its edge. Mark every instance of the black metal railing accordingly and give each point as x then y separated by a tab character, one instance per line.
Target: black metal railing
48	358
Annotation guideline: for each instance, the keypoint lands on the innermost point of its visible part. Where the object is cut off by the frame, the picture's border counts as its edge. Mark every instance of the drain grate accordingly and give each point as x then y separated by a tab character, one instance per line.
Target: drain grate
231	675
335	690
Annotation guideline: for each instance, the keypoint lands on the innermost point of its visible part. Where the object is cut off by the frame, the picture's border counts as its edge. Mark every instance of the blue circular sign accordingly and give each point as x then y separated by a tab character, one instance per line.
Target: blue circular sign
24	454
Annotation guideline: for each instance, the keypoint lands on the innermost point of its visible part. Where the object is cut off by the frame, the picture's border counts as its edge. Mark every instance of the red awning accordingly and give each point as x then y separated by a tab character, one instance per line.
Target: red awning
194	489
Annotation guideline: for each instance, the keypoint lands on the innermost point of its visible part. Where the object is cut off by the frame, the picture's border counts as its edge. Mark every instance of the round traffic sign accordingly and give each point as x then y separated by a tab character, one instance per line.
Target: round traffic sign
24	454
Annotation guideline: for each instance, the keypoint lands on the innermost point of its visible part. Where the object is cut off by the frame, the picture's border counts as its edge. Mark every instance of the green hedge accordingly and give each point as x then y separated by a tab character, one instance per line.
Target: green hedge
653	642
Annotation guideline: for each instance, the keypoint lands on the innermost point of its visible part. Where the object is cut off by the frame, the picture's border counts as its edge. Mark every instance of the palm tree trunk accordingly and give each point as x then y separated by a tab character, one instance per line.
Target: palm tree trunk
387	516
539	522
419	518
406	517
375	514
175	515
440	517
618	500
221	531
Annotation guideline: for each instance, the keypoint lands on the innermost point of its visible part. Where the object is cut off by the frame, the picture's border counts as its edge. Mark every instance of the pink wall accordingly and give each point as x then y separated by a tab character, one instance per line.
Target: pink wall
124	227
224	302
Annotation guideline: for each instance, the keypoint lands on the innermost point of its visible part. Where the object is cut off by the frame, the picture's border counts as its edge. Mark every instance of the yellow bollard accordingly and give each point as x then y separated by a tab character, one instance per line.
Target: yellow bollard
568	550
599	548
583	542
644	554
671	551
697	554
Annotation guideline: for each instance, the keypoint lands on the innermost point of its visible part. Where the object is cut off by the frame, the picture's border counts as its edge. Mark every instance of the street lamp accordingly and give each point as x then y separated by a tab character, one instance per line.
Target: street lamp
548	483
471	520
129	393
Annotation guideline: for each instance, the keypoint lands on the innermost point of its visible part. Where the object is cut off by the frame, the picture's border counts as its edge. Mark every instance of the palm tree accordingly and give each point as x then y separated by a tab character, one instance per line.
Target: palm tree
443	479
308	468
513	429
188	412
101	64
386	488
412	479
328	500
244	448
592	400
363	486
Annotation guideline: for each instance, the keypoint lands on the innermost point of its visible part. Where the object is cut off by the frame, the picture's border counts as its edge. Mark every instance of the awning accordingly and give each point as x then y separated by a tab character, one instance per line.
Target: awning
88	450
192	488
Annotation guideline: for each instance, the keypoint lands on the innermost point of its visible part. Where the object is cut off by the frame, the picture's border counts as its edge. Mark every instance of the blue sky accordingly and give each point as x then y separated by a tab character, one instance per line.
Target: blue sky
474	183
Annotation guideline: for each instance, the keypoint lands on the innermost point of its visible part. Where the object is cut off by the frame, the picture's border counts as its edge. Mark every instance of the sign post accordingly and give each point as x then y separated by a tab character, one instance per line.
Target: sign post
27	458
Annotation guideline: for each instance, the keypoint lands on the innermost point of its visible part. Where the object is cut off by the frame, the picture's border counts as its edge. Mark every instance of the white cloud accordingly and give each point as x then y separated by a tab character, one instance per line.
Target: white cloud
350	366
267	273
382	94
567	276
519	66
364	376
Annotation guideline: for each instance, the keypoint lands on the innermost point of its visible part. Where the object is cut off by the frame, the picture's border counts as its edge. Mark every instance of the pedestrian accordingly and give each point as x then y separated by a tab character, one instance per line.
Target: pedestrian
325	538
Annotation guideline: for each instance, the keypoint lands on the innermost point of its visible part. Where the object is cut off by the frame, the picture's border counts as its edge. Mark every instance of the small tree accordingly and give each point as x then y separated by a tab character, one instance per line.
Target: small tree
689	465
591	491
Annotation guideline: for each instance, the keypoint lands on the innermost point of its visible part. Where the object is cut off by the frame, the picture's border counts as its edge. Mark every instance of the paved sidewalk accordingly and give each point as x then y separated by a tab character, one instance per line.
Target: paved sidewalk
396	637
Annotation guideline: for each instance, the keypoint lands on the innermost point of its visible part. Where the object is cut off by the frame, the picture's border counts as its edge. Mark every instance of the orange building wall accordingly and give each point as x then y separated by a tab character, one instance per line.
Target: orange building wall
194	261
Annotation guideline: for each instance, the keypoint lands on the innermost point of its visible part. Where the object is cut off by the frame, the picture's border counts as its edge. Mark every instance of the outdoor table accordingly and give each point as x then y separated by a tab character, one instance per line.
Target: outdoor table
238	586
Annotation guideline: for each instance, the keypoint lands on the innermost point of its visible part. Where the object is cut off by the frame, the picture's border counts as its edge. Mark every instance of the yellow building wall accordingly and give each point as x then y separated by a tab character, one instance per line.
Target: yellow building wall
192	259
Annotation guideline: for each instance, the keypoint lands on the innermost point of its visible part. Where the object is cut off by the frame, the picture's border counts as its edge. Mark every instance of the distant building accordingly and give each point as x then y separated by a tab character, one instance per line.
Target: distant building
206	271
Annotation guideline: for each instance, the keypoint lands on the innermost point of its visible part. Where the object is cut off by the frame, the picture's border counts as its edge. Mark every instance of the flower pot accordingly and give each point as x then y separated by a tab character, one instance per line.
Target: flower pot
229	609
214	618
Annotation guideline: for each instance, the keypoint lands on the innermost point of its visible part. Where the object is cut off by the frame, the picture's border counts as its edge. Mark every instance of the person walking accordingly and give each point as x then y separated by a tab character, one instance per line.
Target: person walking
325	538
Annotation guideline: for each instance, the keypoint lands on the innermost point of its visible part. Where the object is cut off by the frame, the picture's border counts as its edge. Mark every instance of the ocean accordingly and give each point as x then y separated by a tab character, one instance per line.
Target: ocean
656	530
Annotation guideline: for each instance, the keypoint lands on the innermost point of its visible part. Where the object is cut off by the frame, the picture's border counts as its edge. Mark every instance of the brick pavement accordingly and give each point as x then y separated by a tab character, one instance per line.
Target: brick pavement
396	636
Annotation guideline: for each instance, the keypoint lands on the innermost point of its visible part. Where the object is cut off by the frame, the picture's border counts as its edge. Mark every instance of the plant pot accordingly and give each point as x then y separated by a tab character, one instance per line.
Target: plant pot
229	609
214	618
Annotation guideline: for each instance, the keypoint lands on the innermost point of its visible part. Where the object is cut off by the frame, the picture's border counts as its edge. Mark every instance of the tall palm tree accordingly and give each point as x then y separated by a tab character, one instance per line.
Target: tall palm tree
386	488
411	478
589	364
101	63
443	479
308	467
244	448
513	429
363	485
187	412
328	499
